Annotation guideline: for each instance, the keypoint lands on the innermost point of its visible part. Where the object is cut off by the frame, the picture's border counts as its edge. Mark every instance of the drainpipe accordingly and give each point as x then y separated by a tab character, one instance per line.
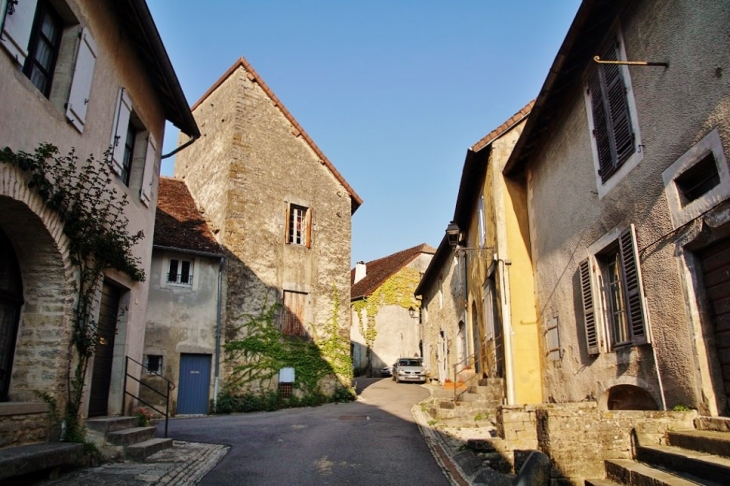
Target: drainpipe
218	334
181	147
507	330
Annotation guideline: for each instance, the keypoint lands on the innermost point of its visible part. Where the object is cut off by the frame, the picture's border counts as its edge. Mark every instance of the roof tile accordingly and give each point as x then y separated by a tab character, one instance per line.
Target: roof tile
380	270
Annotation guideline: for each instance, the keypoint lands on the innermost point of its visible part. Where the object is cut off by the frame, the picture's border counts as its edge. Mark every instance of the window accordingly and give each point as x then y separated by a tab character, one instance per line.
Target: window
293	315
698	180
181	272
298	225
154	364
46	42
611	116
133	149
619	303
480	215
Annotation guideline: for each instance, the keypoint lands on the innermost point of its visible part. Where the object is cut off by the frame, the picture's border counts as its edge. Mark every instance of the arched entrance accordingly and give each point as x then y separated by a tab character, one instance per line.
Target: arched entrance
627	397
11	300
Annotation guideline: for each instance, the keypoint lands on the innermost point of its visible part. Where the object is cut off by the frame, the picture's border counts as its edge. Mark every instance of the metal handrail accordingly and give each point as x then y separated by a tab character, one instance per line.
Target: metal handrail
169	385
468	363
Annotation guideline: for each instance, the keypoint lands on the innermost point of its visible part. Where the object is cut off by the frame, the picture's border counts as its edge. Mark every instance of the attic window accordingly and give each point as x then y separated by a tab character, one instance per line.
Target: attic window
698	180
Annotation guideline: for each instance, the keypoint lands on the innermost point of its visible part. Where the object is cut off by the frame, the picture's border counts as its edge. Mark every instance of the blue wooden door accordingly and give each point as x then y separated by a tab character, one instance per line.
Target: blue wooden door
194	384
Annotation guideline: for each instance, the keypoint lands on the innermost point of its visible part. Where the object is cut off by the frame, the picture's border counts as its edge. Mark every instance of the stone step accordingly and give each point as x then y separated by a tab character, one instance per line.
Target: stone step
481	445
601	482
24	459
628	472
142	450
709	441
719	424
131	436
111	424
699	464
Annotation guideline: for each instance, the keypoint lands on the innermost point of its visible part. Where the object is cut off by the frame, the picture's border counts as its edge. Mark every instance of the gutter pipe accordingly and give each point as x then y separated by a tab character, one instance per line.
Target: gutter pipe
181	147
218	335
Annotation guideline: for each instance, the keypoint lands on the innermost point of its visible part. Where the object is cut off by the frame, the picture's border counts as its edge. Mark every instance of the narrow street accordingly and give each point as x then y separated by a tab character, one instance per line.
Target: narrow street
373	441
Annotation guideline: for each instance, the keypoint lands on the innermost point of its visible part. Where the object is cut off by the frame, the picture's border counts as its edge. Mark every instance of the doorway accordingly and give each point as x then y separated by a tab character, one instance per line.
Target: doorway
11	300
104	350
194	384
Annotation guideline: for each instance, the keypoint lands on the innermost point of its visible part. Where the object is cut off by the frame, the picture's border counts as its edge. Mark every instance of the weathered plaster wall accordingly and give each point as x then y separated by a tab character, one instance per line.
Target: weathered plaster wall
249	164
180	319
36	119
676	108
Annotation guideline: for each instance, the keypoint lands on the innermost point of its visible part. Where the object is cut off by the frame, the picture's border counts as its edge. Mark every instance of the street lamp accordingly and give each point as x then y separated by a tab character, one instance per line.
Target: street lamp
453	236
412	312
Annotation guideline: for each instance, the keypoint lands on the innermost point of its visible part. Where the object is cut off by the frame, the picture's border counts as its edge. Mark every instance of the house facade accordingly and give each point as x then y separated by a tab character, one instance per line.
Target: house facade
182	338
624	162
386	316
70	79
281	212
493	246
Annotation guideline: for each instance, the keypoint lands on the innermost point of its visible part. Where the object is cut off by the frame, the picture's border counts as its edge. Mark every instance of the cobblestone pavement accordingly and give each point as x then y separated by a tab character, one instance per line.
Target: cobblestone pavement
181	465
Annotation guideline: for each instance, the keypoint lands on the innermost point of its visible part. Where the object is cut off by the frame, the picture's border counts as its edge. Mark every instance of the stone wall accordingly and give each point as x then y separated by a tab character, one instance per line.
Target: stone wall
24	423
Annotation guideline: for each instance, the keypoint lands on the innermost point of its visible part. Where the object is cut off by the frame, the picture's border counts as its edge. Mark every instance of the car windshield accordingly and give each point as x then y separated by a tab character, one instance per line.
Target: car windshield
409	362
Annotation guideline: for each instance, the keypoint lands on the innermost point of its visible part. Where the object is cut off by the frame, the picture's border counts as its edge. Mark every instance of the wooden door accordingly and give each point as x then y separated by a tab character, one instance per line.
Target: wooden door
104	351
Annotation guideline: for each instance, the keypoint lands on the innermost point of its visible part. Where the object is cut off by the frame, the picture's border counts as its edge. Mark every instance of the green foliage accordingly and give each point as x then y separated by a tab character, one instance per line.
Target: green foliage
263	350
681	408
92	212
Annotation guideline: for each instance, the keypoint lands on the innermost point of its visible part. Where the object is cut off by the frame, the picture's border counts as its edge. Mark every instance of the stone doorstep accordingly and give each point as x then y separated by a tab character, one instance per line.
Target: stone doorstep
28	458
142	450
720	424
708	441
131	436
700	464
626	471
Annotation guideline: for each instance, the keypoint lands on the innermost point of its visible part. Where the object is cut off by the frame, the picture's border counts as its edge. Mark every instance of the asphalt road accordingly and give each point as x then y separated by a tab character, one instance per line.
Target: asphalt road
373	442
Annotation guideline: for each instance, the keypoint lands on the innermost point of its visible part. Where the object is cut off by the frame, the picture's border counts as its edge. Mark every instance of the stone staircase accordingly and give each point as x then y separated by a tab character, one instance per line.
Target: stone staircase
123	438
471	401
684	457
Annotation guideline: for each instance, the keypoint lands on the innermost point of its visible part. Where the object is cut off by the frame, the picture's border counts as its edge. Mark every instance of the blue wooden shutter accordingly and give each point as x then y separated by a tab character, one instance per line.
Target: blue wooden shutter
589	313
631	272
78	99
17	28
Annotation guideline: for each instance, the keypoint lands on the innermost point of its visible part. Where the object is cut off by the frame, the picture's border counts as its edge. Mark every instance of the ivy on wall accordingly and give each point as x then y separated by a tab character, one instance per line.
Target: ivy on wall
94	221
264	349
397	290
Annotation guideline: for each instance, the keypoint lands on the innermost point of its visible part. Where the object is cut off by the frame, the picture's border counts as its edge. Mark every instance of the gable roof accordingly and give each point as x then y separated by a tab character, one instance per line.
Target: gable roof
591	24
380	270
438	262
355	200
475	166
178	223
139	26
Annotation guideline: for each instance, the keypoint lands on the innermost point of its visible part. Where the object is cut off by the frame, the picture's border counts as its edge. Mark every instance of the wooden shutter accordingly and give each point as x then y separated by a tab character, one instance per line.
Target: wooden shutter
589	311
293	313
631	274
119	134
145	192
287	237
78	99
17	28
308	235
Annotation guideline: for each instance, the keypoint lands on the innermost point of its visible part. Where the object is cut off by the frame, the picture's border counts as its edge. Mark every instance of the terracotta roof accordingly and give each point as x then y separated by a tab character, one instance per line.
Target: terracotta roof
356	201
178	223
380	270
504	127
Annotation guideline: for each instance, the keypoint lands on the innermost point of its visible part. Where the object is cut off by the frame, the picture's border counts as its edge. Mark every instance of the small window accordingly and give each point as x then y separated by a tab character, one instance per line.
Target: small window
154	364
698	180
298	225
480	215
180	273
293	314
45	42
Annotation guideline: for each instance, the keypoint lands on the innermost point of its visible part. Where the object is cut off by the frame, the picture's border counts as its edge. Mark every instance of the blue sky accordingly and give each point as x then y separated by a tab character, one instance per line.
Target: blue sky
393	92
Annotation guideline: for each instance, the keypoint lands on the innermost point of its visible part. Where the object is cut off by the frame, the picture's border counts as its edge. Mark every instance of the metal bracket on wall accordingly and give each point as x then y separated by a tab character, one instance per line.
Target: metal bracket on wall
598	60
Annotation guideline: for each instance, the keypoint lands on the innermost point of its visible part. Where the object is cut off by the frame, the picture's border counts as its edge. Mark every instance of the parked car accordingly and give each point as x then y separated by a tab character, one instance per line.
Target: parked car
409	369
387	371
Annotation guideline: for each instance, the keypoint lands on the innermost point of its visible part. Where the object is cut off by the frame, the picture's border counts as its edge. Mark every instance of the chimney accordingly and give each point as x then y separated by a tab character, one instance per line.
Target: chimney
361	270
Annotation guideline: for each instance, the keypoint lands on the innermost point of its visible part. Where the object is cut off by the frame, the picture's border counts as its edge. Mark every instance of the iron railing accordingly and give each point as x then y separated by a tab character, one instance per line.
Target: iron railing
470	362
166	395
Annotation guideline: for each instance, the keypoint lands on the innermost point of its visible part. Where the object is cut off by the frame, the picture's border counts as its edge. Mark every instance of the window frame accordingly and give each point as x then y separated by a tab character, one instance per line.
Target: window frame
37	36
303	236
179	272
597	323
160	362
620	165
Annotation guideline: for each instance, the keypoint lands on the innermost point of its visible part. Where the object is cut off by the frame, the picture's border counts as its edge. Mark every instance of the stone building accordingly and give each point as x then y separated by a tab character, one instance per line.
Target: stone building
386	316
278	208
498	329
77	82
184	308
626	171
440	289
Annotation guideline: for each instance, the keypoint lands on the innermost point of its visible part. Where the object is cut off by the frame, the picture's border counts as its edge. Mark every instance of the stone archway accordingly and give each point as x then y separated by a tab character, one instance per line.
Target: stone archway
628	397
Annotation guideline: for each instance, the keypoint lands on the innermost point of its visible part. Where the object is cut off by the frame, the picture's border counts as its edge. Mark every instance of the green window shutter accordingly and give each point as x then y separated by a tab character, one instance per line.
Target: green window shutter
589	313
633	286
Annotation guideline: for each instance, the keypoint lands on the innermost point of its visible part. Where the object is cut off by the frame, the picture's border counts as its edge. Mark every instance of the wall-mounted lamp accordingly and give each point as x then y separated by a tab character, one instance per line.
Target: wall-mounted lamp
453	236
412	312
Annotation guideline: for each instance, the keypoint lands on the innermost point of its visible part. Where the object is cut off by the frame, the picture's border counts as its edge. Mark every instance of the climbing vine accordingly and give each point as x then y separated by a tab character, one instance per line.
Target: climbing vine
397	290
264	349
92	212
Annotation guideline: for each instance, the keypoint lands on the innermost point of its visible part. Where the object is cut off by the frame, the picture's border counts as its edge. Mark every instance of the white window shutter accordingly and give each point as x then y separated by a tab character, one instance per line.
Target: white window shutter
119	134
145	192
78	100
589	309
17	28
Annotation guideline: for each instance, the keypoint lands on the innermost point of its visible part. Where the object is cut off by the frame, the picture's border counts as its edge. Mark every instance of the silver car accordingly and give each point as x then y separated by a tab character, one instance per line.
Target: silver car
409	369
